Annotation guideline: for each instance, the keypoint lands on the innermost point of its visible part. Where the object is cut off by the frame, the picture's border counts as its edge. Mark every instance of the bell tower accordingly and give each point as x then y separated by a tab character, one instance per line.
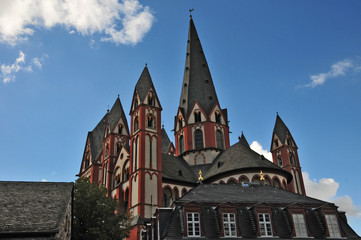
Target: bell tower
201	126
145	149
284	154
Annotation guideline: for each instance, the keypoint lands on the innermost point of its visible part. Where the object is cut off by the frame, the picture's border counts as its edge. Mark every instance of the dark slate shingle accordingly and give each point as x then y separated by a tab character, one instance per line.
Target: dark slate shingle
33	206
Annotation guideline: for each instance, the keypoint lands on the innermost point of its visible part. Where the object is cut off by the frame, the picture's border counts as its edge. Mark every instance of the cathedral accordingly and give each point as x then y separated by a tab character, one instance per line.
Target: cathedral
199	185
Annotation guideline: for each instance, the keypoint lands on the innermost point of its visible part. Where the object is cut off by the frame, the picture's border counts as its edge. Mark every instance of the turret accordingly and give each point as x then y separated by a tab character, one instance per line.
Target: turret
284	154
146	158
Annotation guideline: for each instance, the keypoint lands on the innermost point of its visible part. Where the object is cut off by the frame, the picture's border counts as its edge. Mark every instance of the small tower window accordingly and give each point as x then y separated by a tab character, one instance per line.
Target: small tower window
218	117
279	161
181	144
136	103
198	137
118	147
219	137
289	142
197	117
276	143
151	100
180	173
151	121
126	199
180	123
107	150
120	128
136	124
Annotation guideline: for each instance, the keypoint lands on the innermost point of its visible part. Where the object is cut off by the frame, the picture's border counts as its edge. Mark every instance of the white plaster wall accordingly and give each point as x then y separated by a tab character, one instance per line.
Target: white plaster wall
209	154
154	152
151	194
134	191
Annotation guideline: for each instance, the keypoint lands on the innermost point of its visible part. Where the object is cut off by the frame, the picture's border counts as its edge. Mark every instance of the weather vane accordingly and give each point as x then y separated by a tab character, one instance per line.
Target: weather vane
190	12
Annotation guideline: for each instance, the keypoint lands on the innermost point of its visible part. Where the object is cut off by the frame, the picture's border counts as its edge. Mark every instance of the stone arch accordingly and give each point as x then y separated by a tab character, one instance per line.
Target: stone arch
243	178
232	181
167	196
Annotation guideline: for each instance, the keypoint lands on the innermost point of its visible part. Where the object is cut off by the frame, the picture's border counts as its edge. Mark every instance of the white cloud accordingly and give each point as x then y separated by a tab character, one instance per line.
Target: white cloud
44	180
36	62
326	189
338	69
257	147
122	23
8	71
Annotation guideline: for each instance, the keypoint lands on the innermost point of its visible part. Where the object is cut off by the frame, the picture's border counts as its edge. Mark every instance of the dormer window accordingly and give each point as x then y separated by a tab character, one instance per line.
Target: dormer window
193	224
332	225
197	117
229	224
218	117
265	226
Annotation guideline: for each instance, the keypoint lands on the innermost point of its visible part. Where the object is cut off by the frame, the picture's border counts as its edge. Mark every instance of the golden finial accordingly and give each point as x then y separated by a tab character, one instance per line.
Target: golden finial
262	178
200	176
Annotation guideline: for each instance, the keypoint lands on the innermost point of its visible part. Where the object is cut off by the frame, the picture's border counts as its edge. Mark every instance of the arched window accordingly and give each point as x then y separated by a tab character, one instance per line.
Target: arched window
184	192
197	117
136	123
198	137
232	181
105	173
267	181
243	179
279	161
218	117
126	199
180	123
181	144
116	178
219	137
276	143
276	183
136	103
176	193
118	147
150	100
125	173
107	150
151	121
87	160
120	128
167	197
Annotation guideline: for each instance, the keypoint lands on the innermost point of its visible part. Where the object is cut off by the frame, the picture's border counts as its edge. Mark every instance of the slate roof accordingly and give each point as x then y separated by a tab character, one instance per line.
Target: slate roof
144	84
166	143
97	135
172	167
280	129
211	199
36	208
237	193
241	156
197	81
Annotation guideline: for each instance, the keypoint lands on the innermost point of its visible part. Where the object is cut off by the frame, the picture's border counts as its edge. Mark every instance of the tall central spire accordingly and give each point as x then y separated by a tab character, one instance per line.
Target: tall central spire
197	81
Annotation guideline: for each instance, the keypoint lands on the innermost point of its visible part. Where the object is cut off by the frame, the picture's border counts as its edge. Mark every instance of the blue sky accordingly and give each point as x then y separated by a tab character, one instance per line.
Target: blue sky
62	64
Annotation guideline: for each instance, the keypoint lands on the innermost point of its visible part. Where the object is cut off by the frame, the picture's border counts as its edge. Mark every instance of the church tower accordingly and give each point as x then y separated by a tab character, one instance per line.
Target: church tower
201	126
145	150
116	135
284	154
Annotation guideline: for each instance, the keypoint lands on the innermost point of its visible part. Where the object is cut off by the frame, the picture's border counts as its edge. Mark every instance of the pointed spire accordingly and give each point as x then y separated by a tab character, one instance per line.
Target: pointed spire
144	84
280	129
243	140
197	81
